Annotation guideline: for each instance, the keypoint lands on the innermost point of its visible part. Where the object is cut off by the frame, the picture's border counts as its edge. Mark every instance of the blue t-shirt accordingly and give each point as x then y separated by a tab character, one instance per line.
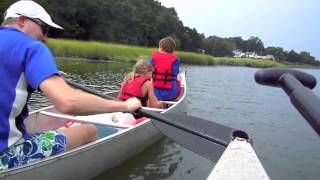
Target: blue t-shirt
168	94
24	64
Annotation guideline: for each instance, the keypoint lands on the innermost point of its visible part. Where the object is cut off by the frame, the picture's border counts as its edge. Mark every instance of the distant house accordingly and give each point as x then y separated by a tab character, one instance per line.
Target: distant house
238	53
251	55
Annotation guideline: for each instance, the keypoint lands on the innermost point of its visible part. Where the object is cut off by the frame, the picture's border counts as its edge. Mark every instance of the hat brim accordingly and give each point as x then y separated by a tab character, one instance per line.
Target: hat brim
55	32
52	25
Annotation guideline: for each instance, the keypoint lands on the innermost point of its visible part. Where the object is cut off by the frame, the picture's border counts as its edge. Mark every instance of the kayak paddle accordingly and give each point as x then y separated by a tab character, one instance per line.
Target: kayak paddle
207	138
297	85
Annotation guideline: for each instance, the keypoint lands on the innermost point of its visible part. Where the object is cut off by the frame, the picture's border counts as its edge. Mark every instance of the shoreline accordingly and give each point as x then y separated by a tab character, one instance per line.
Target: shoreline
110	52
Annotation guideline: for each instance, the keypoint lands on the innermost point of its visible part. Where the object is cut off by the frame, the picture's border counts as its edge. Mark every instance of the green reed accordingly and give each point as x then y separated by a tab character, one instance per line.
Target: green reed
118	52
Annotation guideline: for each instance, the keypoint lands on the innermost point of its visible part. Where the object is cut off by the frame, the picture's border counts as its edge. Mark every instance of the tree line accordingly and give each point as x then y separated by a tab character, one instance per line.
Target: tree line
144	23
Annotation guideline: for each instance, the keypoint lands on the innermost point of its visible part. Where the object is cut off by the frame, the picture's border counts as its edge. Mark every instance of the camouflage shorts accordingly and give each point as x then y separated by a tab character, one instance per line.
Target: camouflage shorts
37	147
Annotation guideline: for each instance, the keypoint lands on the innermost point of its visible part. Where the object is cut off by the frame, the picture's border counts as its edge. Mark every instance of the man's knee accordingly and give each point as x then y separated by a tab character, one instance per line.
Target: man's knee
91	130
80	134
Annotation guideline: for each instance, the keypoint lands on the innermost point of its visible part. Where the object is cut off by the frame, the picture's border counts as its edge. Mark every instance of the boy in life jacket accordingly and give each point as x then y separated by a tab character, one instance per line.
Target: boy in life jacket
138	84
165	70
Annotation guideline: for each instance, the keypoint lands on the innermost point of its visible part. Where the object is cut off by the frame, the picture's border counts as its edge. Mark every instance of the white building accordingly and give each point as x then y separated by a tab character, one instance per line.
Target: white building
239	53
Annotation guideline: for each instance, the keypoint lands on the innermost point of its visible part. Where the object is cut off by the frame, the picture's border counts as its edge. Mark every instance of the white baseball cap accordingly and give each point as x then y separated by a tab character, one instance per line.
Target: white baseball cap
30	9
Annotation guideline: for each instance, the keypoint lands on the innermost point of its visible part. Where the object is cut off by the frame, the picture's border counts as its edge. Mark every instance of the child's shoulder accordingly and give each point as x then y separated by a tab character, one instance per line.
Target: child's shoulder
164	56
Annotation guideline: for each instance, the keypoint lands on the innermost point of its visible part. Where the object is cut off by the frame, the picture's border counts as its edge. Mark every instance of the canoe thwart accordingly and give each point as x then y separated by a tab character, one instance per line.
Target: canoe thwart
102	119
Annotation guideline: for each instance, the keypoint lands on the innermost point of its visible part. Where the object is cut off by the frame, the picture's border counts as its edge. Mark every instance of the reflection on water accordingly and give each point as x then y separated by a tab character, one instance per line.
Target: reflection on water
286	145
164	160
282	139
38	101
102	76
154	160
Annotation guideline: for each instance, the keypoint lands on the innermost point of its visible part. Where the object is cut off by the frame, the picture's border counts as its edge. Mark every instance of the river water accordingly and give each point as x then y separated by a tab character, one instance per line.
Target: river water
286	145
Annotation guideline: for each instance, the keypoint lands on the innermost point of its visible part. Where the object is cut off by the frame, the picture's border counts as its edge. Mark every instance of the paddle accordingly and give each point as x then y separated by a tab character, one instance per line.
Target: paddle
201	136
297	85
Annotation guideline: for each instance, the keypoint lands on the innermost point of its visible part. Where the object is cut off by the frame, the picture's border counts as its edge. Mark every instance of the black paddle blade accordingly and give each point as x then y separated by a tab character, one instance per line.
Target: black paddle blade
271	76
201	136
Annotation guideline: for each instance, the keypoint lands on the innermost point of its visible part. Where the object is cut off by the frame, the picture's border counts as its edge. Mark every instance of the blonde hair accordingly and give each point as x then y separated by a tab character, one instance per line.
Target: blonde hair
140	67
167	44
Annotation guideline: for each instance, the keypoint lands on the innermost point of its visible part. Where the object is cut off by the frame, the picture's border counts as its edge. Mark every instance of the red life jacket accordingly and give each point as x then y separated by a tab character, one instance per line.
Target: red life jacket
162	76
133	89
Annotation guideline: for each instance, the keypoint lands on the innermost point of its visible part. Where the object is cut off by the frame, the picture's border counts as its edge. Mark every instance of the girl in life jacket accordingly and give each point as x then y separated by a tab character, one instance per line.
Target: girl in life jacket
165	70
138	84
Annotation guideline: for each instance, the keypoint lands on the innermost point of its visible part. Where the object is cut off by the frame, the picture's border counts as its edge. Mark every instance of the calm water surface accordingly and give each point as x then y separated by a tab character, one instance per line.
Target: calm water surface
287	147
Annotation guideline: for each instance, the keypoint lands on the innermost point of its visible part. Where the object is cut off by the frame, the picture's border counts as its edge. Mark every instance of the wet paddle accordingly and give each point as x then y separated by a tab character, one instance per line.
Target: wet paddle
297	85
201	136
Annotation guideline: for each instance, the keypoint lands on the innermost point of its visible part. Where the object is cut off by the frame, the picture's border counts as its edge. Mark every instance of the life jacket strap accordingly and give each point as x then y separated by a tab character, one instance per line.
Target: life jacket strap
168	77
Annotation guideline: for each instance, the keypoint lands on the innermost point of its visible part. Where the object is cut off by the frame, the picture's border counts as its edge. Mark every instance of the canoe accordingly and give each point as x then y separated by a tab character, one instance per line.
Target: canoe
116	143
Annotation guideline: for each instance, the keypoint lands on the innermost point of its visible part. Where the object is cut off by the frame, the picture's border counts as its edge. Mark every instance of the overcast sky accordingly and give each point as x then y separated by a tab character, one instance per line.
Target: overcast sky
291	24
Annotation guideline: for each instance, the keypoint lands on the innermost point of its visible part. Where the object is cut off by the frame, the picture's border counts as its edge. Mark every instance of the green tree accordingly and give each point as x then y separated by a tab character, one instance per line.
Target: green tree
217	46
238	42
4	4
254	44
191	40
277	52
293	57
307	58
145	22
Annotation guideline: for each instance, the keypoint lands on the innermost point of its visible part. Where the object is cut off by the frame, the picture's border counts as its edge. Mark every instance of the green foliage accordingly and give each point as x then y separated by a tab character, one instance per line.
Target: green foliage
76	49
98	50
277	52
137	22
293	56
217	46
4	4
144	23
254	44
239	43
83	67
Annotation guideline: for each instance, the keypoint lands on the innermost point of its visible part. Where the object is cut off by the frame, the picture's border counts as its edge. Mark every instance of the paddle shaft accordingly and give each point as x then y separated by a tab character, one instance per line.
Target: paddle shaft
297	85
153	115
88	90
303	99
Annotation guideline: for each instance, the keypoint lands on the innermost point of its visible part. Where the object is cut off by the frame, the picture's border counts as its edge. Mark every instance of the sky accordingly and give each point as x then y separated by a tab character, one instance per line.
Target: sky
290	24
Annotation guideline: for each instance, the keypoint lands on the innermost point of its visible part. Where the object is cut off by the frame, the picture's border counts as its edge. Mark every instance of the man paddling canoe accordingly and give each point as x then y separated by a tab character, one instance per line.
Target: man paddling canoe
26	65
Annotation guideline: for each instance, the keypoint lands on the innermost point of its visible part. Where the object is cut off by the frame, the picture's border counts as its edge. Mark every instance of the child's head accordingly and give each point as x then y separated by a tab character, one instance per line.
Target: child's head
142	66
167	44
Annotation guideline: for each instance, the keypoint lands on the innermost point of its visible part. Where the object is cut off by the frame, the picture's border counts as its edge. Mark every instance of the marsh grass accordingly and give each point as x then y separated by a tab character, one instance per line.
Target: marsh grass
97	50
118	52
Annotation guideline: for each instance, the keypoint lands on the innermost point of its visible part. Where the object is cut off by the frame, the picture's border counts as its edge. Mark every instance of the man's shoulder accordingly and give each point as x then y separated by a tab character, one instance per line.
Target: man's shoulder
19	37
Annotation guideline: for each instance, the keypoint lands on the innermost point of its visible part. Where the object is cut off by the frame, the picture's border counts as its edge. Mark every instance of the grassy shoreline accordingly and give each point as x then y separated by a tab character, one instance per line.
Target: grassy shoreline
117	52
